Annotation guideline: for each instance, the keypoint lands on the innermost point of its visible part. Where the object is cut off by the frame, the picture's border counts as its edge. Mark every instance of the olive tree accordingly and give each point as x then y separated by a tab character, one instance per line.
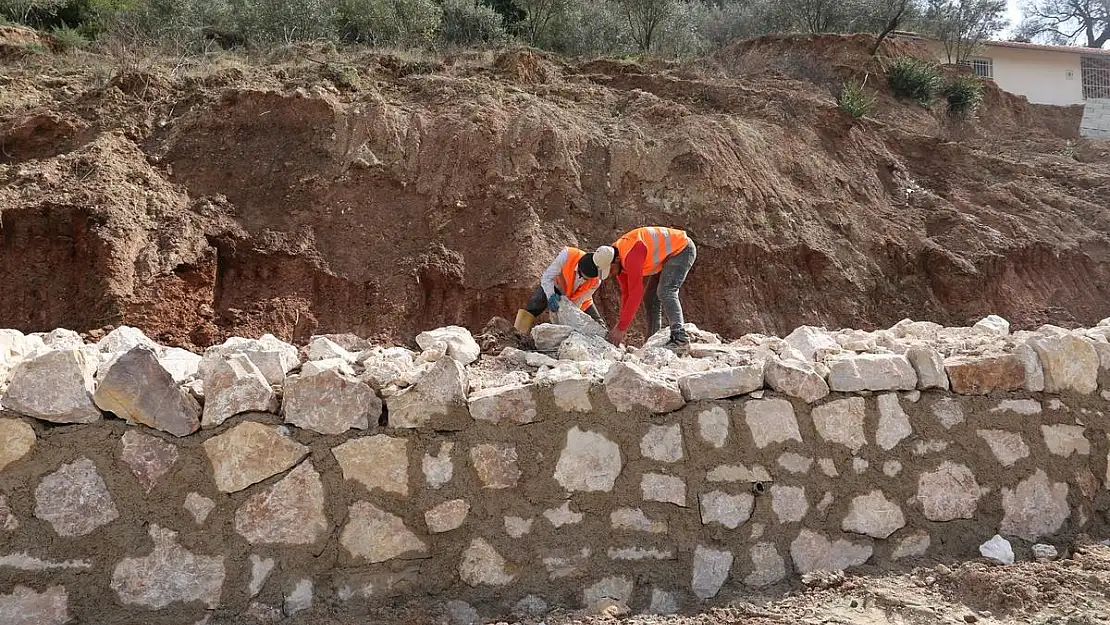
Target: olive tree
645	18
1083	22
539	16
962	25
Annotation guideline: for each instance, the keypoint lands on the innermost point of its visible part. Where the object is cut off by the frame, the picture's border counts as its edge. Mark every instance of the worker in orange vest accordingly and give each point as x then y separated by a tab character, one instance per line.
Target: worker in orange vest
663	256
572	277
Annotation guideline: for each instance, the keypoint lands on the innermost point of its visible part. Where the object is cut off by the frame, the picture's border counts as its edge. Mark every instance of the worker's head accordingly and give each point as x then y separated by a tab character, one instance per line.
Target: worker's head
587	268
606	260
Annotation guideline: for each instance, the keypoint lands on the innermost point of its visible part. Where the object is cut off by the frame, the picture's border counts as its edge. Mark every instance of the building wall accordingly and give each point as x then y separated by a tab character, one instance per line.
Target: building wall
1043	77
1039	75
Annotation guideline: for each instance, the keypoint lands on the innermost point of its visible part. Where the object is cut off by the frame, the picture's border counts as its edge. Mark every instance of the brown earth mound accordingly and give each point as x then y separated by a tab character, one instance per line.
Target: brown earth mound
382	196
18	42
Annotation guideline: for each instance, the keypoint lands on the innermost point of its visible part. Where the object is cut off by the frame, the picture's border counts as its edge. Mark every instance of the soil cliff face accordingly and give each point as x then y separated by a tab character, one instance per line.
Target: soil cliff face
384	197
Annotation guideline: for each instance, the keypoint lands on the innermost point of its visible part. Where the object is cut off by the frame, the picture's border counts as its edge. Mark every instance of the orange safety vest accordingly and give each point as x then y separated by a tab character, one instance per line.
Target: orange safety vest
662	243
565	280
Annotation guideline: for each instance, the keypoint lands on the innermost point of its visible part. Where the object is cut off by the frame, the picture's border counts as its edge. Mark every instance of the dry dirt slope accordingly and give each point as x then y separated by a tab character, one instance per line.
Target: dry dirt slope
318	192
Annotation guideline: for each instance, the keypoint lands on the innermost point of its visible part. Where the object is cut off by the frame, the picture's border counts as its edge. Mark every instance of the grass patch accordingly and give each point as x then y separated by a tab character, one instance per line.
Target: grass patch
344	77
964	94
69	39
35	49
915	80
856	101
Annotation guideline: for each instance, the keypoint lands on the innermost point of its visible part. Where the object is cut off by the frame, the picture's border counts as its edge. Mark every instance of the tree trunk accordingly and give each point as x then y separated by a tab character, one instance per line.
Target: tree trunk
1100	41
891	26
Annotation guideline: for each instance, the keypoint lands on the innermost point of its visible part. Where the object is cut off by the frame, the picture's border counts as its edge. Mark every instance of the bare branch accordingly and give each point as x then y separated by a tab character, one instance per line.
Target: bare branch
644	18
1070	21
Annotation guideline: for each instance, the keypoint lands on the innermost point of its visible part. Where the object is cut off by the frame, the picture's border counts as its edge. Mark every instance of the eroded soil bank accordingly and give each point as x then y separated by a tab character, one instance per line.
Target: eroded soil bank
200	200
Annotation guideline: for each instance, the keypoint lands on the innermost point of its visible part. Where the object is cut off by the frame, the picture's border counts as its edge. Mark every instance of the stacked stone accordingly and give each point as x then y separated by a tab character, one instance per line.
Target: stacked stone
1095	123
582	475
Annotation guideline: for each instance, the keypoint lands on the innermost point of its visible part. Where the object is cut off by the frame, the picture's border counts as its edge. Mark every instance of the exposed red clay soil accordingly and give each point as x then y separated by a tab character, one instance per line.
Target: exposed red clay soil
380	196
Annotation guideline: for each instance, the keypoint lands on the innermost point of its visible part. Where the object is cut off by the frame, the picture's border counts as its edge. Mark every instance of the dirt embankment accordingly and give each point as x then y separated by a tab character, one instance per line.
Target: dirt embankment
379	196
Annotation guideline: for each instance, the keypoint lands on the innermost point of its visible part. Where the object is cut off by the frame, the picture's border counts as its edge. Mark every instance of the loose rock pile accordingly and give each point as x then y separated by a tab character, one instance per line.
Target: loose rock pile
832	448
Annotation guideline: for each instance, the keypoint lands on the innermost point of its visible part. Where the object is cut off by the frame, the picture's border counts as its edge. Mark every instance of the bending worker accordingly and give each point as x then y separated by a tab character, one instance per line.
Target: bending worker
573	278
663	256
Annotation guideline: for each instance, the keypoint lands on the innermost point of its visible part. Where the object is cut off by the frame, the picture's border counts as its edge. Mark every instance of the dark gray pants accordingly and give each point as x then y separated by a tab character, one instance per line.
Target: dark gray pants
662	294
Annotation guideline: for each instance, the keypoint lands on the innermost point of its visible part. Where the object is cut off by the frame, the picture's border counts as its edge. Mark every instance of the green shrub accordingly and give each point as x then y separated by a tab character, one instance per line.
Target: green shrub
914	79
197	24
470	23
680	34
964	94
184	25
34	13
284	21
854	100
588	28
34	49
69	39
90	18
344	77
390	22
732	21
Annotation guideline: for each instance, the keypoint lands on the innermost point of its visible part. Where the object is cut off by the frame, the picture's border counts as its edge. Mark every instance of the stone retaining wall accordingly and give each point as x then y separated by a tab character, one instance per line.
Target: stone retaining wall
1096	119
266	483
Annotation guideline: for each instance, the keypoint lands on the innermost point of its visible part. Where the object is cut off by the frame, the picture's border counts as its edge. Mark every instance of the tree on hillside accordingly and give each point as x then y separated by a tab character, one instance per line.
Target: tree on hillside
510	13
644	19
962	25
25	11
390	22
890	15
730	20
815	16
819	16
471	23
877	17
538	16
1083	22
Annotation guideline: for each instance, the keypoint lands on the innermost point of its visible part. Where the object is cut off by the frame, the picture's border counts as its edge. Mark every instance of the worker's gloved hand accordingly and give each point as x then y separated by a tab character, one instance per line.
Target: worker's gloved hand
553	303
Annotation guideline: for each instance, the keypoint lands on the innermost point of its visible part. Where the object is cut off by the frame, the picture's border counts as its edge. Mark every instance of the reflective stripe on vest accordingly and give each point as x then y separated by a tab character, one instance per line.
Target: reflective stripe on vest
662	243
565	282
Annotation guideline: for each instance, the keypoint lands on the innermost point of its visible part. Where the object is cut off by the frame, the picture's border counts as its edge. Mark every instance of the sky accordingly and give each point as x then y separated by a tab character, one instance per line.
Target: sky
1014	14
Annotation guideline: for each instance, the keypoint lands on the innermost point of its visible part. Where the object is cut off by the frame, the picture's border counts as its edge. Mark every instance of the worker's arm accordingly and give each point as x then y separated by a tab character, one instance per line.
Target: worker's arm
547	281
588	302
631	280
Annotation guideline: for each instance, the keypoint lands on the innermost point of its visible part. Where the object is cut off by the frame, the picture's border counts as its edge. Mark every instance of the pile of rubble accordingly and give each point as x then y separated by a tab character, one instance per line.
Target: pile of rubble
339	382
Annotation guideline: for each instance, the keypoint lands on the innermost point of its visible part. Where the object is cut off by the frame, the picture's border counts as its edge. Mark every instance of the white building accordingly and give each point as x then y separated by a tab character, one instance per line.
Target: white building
1056	75
1060	75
